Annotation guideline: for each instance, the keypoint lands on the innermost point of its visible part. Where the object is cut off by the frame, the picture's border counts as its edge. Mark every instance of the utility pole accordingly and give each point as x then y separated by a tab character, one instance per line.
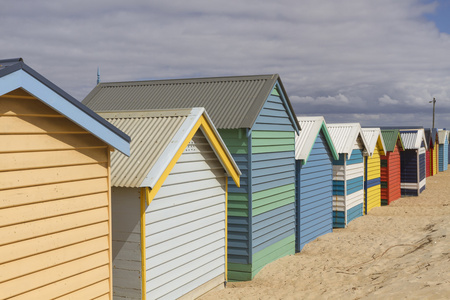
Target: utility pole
434	106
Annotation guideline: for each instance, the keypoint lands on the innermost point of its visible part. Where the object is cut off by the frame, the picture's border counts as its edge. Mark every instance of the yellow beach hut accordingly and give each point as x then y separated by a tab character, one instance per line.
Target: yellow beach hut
55	217
372	170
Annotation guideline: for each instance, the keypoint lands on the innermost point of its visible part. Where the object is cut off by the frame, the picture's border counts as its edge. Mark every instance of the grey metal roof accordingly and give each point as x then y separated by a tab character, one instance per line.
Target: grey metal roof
151	133
156	136
231	102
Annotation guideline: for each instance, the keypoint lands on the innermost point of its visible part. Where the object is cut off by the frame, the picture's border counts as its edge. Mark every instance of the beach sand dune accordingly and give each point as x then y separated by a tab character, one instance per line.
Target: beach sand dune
400	251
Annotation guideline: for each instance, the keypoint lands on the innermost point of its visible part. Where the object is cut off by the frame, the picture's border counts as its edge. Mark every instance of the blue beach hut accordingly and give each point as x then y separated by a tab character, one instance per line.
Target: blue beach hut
255	119
314	155
348	172
413	162
443	150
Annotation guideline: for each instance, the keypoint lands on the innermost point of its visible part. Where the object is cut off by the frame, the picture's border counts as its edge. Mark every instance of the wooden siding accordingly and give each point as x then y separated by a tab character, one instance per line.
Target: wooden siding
271	173
372	188
314	194
126	243
348	174
185	225
443	156
390	177
434	160
428	162
54	204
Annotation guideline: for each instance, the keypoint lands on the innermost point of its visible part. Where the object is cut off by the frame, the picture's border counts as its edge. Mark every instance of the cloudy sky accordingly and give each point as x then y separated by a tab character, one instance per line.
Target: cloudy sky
375	62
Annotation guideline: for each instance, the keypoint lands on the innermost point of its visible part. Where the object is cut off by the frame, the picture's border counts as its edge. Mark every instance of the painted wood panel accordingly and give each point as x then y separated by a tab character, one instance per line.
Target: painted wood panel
428	162
390	177
314	194
372	197
274	115
54	205
185	228
126	242
443	156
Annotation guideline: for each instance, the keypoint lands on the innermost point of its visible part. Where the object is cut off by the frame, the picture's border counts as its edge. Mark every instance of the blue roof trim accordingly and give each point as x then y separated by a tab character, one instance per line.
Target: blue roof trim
17	74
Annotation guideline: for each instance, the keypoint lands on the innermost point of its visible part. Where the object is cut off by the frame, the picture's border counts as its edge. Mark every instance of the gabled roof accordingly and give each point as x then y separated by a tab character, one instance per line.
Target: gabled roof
345	135
442	135
373	138
158	136
15	74
232	102
304	141
413	138
430	136
390	137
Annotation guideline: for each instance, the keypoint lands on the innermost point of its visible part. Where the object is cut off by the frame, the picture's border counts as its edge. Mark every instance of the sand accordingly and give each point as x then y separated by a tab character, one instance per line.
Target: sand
400	251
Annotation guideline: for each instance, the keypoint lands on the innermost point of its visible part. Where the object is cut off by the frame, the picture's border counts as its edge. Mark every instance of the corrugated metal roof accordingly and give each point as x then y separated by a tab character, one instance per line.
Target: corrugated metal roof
304	141
390	137
442	135
413	138
151	132
156	137
231	102
344	136
371	135
431	136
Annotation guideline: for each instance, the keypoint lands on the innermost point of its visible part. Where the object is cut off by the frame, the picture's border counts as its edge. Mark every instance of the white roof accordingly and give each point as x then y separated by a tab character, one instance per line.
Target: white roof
304	141
413	138
442	133
344	136
372	135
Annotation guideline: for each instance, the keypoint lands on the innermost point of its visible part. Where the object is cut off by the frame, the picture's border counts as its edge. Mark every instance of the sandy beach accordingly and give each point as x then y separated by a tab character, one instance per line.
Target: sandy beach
400	251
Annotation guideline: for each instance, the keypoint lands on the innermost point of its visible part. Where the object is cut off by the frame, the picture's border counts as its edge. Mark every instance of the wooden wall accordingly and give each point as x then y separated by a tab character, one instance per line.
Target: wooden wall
428	162
261	213
314	194
54	205
390	176
434	160
372	188
348	186
185	226
443	156
126	243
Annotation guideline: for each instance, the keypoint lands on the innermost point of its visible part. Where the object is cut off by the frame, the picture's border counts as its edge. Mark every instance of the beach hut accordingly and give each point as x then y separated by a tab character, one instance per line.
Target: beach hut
443	150
169	205
412	162
55	218
348	172
314	155
390	166
432	138
372	172
254	116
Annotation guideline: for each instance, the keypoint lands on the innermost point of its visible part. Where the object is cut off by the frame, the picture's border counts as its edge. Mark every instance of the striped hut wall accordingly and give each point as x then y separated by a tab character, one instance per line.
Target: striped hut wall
273	184
314	191
372	184
443	156
348	186
239	219
409	172
185	225
390	177
428	162
54	204
422	169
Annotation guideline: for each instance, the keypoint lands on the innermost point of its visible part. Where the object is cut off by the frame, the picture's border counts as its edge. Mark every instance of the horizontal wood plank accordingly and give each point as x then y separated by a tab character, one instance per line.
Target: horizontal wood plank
25	124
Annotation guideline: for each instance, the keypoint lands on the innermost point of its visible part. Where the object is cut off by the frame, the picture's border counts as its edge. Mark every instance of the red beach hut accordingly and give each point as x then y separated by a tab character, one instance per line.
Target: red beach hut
390	166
